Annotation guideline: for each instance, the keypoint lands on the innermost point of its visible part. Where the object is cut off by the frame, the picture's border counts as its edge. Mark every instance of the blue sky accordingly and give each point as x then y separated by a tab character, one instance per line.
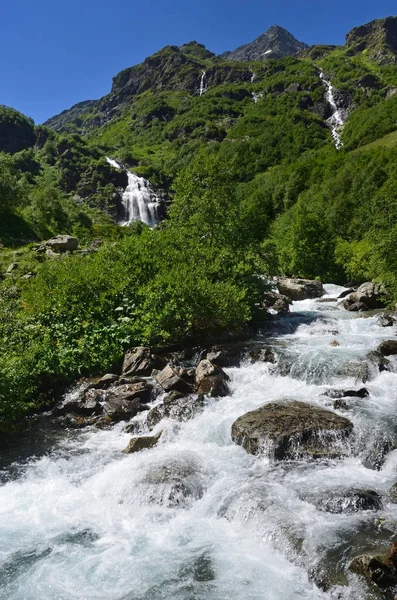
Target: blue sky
54	54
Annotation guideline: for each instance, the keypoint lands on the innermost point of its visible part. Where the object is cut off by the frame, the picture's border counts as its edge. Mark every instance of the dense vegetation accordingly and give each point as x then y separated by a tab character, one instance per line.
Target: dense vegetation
257	188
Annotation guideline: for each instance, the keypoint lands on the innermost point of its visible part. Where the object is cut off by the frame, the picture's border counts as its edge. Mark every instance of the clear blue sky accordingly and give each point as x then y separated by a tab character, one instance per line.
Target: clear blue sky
56	53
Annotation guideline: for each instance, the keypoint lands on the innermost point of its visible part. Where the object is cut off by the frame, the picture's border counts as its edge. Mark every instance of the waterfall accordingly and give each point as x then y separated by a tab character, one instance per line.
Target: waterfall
202	88
336	119
256	97
139	201
253	76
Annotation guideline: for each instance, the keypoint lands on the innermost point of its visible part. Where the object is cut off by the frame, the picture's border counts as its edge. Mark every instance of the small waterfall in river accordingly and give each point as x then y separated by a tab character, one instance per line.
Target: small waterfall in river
197	517
202	88
336	120
139	201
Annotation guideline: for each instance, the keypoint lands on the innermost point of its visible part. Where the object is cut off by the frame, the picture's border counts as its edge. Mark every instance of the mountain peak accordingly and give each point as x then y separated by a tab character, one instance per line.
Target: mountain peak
276	42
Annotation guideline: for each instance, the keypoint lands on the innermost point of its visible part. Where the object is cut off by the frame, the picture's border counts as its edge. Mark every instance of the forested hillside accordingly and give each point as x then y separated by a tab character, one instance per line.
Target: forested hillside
243	155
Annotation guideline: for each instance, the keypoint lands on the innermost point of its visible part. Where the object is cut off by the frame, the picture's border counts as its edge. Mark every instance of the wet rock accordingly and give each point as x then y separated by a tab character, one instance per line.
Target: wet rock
141	390
290	430
174	482
144	442
140	361
276	301
63	243
211	380
386	321
378	569
225	357
335	344
345	293
350	502
104	382
354	306
379	360
340	404
369	294
175	406
260	355
118	408
199	569
85	404
361	393
300	289
171	381
392	495
388	348
374	455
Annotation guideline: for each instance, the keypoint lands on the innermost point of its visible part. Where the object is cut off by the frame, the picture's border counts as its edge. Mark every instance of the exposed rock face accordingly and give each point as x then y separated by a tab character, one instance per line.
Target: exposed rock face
378	38
276	42
142	443
63	243
290	430
300	289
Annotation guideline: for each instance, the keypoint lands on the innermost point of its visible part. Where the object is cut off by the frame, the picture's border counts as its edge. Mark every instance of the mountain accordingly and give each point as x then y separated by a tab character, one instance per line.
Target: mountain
276	42
377	39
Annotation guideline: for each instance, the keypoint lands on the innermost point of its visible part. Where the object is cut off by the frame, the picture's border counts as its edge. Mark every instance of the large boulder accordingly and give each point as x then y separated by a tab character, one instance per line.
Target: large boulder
63	243
86	403
350	501
379	569
289	429
277	302
368	294
300	289
388	348
224	357
119	408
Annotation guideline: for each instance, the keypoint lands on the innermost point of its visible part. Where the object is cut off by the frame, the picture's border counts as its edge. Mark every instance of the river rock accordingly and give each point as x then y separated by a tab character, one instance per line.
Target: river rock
118	408
276	301
345	293
85	404
361	393
140	361
388	348
378	569
260	355
369	294
292	430
225	357
379	360
386	321
211	380
175	406
144	442
174	482
300	289
171	381
63	243
355	306
103	383
350	501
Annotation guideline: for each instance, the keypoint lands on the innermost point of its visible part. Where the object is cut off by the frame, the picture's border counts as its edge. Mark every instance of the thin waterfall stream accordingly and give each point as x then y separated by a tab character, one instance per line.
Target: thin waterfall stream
336	119
197	518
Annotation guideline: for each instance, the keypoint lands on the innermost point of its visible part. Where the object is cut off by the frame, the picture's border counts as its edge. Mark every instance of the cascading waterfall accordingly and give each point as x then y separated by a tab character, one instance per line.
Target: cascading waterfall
202	88
336	120
253	76
197	517
139	201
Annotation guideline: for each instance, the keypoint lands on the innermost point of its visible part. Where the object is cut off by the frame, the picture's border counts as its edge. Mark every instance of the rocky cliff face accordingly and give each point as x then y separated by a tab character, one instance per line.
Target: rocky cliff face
276	42
378	39
173	69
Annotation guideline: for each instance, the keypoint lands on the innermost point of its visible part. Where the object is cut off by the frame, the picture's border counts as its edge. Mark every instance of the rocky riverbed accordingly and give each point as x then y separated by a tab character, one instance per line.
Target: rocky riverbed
262	470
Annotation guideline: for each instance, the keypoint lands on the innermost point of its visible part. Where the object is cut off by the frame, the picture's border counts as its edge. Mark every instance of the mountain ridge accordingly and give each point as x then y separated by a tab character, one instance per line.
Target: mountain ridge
276	42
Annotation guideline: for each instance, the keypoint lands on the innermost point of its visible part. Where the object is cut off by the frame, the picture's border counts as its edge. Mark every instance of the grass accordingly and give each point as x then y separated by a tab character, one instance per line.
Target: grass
386	141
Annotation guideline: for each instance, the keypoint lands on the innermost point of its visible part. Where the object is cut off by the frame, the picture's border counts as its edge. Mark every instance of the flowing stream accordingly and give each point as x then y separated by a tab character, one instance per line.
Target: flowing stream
139	201
202	88
336	119
197	518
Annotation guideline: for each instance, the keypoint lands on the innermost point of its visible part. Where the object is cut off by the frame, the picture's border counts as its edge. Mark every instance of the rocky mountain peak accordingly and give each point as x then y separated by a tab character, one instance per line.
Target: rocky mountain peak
377	38
276	42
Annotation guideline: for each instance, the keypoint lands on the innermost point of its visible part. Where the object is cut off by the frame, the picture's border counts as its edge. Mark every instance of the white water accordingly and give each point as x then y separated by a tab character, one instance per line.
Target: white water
253	75
139	201
202	88
336	120
86	522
